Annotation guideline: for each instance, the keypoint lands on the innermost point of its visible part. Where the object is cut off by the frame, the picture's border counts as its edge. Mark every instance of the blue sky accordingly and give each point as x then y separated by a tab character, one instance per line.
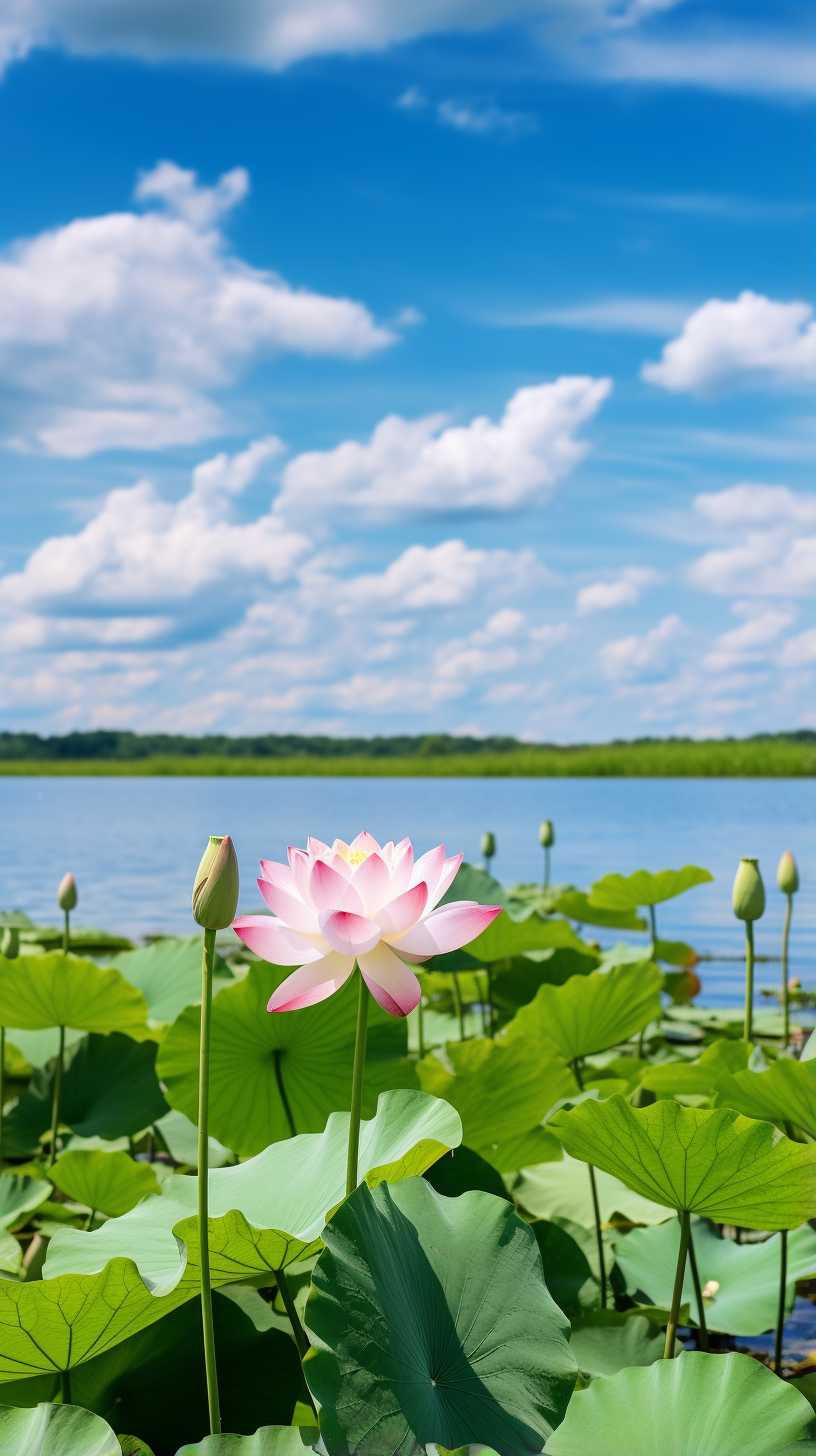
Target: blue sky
401	368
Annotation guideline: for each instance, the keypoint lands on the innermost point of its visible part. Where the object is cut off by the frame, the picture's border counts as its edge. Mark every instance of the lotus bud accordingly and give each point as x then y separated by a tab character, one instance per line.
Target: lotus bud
787	875
488	845
748	894
67	893
546	834
215	892
10	945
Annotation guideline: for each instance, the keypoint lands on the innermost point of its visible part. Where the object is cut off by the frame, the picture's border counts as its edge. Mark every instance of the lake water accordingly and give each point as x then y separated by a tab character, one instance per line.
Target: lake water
134	844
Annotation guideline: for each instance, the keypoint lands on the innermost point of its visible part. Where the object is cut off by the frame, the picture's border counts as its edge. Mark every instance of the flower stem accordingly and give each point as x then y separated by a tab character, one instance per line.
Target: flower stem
595	1204
702	1338
780	1319
749	980
357	1086
207	961
294	1319
653	924
420	1030
457	1001
674	1313
785	1006
66	934
546	867
55	1106
287	1111
65	1386
2	1087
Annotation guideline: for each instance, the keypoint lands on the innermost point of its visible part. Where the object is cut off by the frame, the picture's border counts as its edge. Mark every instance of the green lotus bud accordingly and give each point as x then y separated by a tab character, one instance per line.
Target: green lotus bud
787	875
215	892
10	945
488	845
546	834
748	894
67	893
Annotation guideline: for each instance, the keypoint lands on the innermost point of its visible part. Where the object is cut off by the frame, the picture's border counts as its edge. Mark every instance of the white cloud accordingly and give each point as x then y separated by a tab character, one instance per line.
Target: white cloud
633	658
604	316
749	643
799	651
481	119
771	64
115	331
423	467
425	577
768	552
750	340
603	596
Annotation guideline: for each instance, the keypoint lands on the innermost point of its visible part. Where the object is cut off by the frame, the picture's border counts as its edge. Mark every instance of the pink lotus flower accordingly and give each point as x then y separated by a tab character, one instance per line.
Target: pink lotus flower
358	902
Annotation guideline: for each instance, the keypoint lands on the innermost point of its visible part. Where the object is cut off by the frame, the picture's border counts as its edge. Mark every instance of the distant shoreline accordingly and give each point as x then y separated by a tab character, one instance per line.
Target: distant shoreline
753	758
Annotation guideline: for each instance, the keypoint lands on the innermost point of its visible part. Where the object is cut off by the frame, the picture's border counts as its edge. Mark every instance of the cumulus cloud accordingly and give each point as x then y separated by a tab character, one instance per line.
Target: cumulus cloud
428	467
116	331
651	655
625	591
424	577
749	643
748	341
769	550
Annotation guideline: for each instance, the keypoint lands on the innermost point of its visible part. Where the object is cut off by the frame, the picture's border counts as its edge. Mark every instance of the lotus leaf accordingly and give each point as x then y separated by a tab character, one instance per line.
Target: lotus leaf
629	892
267	1069
604	1341
266	1212
110	1183
578	906
561	1190
516	983
591	1013
697	1405
109	1090
20	1194
168	974
55	1430
431	1321
746	1275
501	1090
268	1441
505	938
180	1136
463	1171
784	1094
715	1163
474	884
670	1079
809	1049
132	1446
58	990
567	1272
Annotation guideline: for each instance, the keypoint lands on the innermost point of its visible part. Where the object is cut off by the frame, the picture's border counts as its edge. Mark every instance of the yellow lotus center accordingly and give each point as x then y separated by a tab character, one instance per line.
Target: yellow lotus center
353	857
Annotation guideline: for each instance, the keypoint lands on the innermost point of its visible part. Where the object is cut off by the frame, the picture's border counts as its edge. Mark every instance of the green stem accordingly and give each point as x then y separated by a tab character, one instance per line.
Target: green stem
674	1313
546	866
420	1029
653	948
785	1006
55	1106
489	1002
65	1386
749	980
66	934
290	1121
457	1001
780	1318
357	1087
702	1338
2	1086
294	1319
89	1220
207	961
595	1204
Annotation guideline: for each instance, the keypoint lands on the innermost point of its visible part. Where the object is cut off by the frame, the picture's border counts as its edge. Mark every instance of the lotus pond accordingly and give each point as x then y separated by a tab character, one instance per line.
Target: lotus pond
411	1162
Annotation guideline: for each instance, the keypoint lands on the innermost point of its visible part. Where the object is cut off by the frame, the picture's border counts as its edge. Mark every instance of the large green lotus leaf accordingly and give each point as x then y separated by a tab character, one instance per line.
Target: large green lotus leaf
628	892
501	1090
577	906
431	1321
254	1054
747	1275
670	1079
181	1138
696	1405
463	1171
474	884
785	1093
20	1194
168	974
110	1183
266	1212
109	1090
504	938
38	1047
55	1430
591	1013
268	1441
567	1273
516	983
154	1381
562	1190
714	1163
58	990
604	1342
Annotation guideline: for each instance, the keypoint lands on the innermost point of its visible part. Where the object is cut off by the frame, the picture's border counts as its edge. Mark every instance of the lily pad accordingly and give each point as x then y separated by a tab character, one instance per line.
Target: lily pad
785	1093
562	1190
700	1405
55	1430
109	1090
576	905
629	892
110	1183
58	990
168	974
268	1441
266	1212
591	1013
716	1163
746	1275
501	1090
270	1073
431	1321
